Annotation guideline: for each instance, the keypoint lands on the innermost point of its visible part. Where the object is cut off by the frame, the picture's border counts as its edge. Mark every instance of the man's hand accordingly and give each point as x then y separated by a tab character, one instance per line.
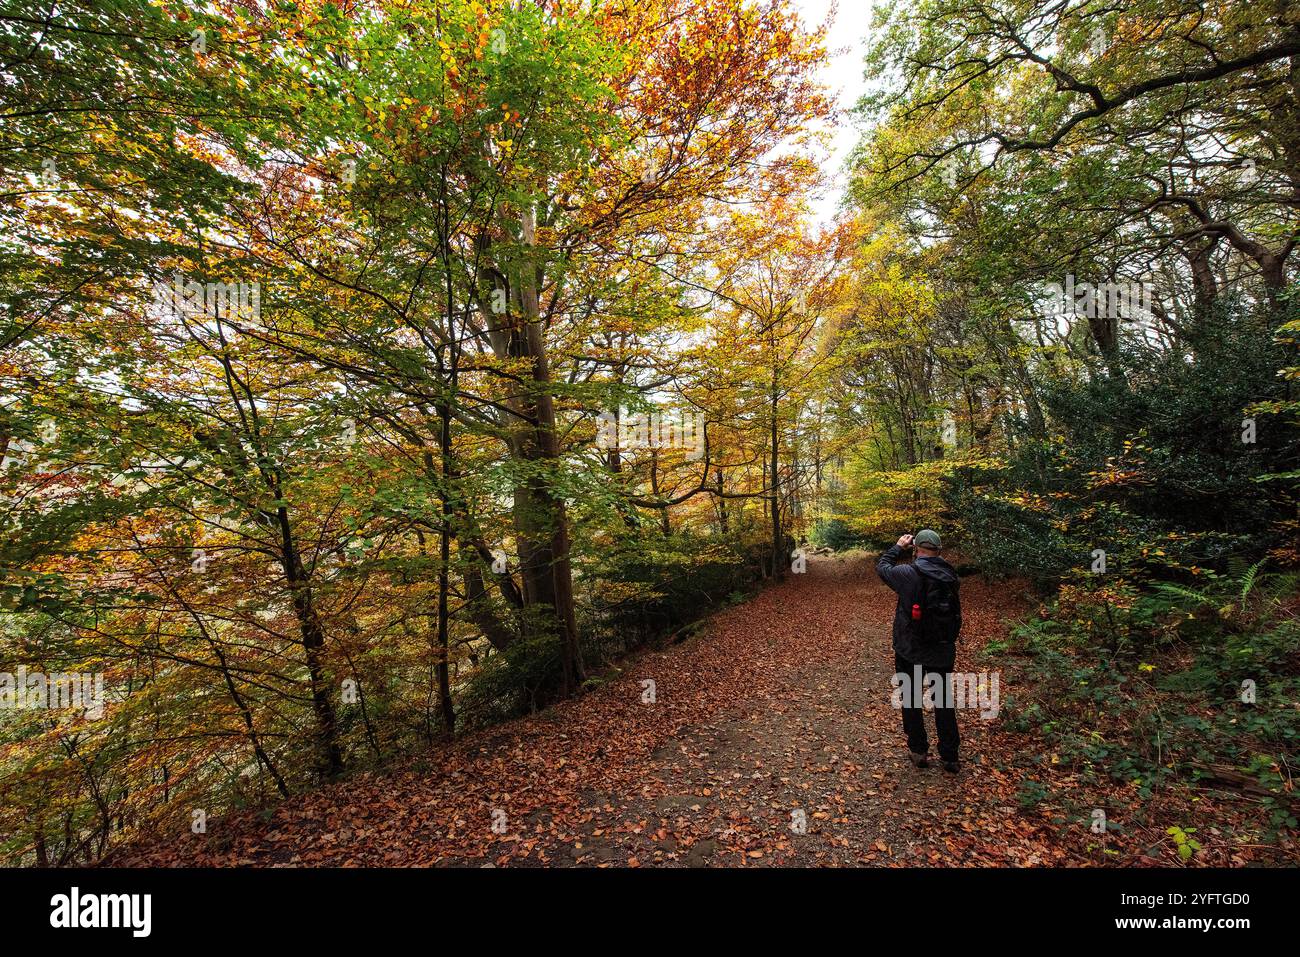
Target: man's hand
905	542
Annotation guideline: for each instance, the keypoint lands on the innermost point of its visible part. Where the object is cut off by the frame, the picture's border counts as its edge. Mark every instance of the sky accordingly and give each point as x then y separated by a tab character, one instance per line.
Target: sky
846	44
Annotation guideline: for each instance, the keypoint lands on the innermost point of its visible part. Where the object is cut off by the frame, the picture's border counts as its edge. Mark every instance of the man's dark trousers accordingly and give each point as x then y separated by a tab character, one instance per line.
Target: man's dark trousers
945	716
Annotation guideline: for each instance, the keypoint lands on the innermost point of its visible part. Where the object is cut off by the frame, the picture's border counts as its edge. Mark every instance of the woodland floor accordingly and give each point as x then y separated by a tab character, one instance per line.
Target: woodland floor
778	705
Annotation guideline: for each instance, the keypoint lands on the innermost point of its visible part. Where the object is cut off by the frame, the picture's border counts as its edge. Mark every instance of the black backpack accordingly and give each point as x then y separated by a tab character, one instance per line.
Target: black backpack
938	621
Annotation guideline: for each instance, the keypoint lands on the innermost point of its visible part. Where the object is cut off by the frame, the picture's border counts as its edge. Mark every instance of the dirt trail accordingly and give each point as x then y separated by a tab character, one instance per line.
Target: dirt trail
776	714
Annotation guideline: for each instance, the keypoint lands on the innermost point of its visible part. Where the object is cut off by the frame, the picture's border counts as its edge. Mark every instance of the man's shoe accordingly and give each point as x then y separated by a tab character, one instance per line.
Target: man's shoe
952	767
919	760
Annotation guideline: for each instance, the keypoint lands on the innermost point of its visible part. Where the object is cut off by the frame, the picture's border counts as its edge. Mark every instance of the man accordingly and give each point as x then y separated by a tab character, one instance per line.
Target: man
926	625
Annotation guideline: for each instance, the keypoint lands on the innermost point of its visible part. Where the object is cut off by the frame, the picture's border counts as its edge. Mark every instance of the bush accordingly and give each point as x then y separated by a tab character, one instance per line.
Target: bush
836	535
1147	463
646	588
1145	685
638	590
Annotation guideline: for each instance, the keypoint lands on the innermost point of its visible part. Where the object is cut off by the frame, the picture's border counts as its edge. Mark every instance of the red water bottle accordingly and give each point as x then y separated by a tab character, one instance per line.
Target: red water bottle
916	613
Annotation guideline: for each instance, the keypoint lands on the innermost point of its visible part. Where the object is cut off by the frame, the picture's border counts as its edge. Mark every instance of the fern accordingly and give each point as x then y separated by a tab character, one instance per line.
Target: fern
1181	591
1248	579
1243	582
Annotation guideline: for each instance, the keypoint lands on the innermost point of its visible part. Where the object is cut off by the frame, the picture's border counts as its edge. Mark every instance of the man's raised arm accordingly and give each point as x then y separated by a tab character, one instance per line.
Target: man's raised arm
885	566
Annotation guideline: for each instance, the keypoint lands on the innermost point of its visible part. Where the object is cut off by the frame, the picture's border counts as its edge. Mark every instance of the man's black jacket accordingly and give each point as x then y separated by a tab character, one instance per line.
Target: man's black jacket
906	580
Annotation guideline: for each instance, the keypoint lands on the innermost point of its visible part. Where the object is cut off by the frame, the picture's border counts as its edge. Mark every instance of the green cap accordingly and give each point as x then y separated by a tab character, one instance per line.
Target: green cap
928	538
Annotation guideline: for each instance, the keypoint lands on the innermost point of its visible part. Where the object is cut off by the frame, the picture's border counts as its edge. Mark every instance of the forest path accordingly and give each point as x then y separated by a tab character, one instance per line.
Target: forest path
776	713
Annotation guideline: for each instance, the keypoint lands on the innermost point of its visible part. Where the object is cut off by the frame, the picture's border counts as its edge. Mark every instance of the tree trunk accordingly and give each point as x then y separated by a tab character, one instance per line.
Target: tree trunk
722	506
313	643
444	571
540	516
778	551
